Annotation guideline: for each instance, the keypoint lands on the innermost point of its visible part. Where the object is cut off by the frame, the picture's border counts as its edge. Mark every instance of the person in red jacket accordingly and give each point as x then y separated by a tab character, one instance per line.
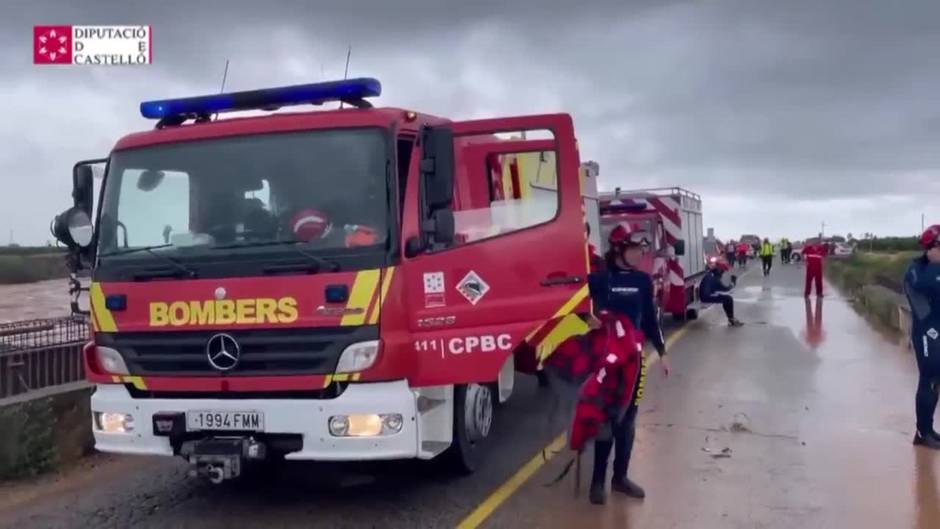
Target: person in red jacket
813	255
742	254
599	372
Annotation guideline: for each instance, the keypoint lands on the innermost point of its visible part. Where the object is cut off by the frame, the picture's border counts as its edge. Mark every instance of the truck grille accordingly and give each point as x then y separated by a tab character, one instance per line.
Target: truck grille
262	352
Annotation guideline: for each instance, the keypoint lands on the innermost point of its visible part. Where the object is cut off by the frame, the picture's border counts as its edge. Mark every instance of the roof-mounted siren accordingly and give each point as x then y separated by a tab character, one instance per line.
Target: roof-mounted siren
171	112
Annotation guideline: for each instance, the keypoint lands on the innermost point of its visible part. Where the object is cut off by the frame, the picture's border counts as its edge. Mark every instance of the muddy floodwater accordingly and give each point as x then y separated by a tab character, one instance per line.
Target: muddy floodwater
43	299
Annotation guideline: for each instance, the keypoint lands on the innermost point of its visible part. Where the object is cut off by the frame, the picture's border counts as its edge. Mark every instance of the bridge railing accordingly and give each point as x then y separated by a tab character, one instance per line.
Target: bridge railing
36	354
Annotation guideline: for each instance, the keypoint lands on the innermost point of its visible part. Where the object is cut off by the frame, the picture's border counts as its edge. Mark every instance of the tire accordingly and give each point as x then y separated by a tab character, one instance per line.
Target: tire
474	405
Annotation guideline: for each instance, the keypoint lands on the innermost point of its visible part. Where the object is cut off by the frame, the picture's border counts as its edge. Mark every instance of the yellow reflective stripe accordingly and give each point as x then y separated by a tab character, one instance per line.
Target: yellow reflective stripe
362	292
565	309
386	283
104	316
572	303
570	325
138	382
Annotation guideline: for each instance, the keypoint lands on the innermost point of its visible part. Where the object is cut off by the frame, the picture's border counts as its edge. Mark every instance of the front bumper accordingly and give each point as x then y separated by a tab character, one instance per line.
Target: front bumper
306	417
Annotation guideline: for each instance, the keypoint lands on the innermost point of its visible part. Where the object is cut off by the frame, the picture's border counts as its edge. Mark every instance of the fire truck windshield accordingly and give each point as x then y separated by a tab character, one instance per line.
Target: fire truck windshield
249	200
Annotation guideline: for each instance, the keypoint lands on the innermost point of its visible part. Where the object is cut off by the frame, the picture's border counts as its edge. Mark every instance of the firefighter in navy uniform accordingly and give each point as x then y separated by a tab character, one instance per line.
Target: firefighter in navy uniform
922	287
624	290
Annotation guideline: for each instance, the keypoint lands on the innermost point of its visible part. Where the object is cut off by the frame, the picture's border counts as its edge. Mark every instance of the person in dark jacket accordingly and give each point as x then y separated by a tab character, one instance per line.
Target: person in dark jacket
730	252
624	290
713	290
922	287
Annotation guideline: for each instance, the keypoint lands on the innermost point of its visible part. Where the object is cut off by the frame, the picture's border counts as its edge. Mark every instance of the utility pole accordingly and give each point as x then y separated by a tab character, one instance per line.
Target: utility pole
822	232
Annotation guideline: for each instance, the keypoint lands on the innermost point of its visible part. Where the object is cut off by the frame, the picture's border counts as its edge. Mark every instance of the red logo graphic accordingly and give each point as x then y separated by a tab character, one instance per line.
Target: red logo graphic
52	44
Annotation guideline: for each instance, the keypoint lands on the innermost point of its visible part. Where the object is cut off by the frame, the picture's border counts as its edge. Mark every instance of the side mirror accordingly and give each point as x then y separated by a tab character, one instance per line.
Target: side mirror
444	227
83	187
680	247
414	246
437	167
73	228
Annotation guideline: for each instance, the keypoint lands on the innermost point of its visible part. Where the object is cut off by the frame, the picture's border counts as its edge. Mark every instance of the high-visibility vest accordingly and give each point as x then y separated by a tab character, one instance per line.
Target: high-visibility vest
766	249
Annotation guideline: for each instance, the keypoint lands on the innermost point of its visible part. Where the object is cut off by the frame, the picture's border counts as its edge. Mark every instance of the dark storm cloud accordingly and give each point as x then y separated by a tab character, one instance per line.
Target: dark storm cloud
764	101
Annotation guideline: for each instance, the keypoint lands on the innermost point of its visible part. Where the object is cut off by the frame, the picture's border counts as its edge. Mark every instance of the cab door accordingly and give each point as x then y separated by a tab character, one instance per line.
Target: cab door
517	257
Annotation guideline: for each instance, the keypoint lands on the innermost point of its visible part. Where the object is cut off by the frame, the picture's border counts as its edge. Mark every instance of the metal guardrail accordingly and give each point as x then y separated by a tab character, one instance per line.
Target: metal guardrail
35	354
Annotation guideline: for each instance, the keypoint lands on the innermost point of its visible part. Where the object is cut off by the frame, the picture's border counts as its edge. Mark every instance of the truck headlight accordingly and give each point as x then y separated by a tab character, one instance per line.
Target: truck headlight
114	422
111	361
358	357
365	424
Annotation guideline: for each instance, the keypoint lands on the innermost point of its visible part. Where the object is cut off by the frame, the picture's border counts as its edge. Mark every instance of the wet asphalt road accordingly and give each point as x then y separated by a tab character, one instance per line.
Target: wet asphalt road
801	419
142	492
813	406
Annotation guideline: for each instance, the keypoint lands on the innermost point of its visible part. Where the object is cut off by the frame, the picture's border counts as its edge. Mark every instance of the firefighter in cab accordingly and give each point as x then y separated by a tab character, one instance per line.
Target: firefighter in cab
625	291
922	287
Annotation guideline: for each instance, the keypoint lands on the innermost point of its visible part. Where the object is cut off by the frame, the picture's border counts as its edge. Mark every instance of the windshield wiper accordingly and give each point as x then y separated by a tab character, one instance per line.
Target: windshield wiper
318	261
180	267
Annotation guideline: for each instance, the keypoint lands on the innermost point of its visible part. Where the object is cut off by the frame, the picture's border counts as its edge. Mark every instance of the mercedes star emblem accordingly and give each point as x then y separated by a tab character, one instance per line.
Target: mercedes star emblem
223	352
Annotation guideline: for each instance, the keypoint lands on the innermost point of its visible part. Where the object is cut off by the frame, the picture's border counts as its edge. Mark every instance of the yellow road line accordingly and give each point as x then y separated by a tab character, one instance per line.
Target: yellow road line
507	489
514	483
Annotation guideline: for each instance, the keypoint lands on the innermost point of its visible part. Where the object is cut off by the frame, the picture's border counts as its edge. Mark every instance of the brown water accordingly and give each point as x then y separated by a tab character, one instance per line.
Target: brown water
43	299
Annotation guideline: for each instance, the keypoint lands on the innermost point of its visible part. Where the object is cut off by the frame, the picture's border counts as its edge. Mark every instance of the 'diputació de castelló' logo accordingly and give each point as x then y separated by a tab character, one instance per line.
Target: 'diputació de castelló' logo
93	45
52	44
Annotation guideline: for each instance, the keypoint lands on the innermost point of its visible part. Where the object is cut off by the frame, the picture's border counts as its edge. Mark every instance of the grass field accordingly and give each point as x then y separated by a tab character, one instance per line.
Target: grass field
25	265
885	269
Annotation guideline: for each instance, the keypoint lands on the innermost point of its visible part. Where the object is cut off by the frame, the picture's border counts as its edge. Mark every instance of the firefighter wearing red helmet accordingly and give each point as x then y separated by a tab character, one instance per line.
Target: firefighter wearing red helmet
624	291
922	287
713	289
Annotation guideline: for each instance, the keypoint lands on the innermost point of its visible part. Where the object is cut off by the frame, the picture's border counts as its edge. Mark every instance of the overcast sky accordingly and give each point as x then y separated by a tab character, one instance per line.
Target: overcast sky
781	114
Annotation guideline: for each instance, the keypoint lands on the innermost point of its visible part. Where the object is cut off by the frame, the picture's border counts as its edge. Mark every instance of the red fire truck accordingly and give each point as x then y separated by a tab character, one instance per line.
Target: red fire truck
346	284
673	216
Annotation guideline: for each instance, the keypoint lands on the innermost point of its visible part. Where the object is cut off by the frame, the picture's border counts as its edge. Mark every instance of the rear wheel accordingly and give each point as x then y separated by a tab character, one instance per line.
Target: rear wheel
474	406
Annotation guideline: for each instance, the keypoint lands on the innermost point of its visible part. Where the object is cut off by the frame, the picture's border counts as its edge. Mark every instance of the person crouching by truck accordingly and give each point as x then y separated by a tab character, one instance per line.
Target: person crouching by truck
714	288
922	287
625	291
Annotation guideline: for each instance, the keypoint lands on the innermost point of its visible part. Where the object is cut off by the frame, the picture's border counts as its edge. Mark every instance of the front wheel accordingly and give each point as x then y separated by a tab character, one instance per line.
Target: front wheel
473	420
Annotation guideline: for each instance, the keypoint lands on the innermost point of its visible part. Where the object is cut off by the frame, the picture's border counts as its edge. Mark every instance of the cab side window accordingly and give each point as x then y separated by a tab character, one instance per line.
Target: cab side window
506	192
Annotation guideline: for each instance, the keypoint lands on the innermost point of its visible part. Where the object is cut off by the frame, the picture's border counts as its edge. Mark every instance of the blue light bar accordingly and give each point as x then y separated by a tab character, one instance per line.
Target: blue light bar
351	90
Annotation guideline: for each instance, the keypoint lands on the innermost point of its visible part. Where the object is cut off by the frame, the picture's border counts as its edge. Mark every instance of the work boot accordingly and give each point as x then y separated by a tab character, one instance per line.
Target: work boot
734	322
931	440
628	487
598	495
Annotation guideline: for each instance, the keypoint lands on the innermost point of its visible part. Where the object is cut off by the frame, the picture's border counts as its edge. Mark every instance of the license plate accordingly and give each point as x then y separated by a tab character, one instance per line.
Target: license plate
224	420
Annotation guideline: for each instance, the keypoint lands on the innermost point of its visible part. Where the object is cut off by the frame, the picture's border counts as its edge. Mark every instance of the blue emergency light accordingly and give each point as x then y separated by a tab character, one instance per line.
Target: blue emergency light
352	91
